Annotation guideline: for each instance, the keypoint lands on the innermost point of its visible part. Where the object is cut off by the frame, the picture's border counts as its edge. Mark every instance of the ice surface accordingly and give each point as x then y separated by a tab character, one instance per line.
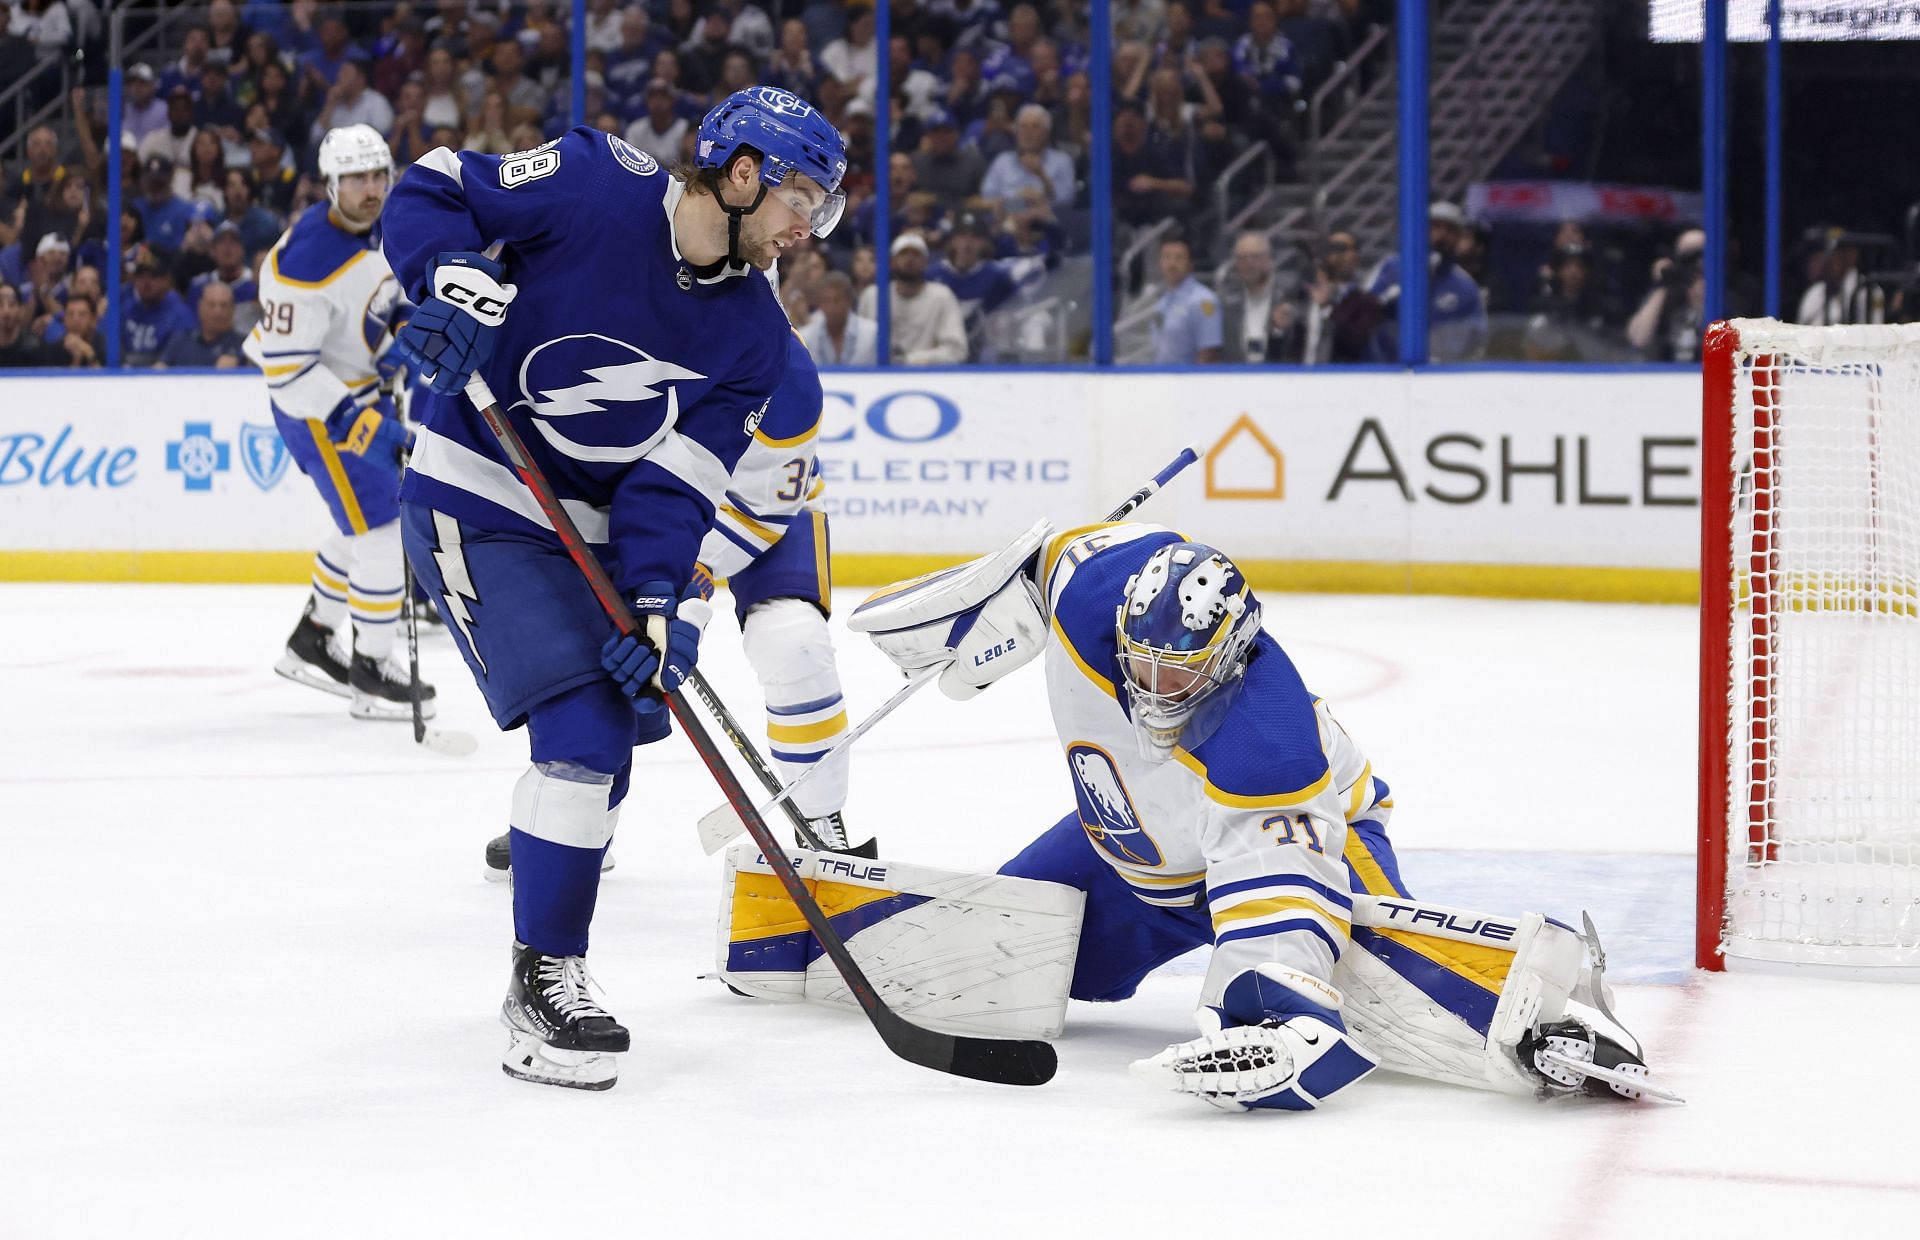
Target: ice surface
254	970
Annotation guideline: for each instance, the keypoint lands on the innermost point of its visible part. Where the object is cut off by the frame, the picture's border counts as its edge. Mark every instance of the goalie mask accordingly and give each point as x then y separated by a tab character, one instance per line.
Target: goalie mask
1184	626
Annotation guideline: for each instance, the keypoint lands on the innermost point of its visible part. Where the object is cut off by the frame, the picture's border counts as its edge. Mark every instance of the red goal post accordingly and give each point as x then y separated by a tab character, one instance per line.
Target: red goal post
1809	806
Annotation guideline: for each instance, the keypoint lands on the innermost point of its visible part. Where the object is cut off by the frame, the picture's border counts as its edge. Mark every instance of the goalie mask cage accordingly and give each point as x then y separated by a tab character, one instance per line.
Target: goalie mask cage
1810	649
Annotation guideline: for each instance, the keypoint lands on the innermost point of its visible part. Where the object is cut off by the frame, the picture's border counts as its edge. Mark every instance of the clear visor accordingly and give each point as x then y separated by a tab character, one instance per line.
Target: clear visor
819	207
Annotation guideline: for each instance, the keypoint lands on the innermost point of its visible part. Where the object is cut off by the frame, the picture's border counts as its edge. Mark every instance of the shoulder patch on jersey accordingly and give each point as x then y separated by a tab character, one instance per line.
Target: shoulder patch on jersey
631	157
1107	813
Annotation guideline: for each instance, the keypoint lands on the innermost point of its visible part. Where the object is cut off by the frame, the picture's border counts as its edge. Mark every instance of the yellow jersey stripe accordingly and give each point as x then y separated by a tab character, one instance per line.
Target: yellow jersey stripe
1235	800
1372	877
1159	880
822	570
1277	904
765	533
359	603
326	578
275	371
798	733
323	281
330	456
1079	662
789	442
1361	787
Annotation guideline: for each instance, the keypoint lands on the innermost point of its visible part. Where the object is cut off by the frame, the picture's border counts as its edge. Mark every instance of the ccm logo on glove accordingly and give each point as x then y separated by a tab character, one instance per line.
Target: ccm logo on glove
475	293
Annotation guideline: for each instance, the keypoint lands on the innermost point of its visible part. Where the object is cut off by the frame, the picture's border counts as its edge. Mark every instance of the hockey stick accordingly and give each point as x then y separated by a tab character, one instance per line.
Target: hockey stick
1002	1060
720	826
731	729
453	744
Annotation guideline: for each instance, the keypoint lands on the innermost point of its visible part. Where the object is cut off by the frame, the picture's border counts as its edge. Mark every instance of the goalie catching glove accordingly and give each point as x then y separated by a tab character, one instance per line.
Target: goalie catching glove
982	619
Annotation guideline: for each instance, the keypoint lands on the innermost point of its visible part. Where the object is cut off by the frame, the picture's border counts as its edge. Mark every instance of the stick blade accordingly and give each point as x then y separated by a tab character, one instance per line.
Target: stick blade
719	827
998	1061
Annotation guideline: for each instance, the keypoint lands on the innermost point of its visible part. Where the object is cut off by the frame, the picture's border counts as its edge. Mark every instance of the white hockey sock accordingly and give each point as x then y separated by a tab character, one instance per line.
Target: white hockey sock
375	585
330	567
787	641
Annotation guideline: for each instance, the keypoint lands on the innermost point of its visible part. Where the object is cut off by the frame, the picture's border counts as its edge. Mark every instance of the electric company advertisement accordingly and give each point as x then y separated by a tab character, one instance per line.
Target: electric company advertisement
1346	479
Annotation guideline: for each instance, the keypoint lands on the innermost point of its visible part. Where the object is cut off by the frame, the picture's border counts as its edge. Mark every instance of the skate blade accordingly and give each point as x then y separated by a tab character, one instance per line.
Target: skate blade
373	708
530	1059
301	673
1632	1083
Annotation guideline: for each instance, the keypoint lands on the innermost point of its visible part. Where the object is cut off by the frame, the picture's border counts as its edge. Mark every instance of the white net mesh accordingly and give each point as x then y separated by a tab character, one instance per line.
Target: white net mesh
1823	832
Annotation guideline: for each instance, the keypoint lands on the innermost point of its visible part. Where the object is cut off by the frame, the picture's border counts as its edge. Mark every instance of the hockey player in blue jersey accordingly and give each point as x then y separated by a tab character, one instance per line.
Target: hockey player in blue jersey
1220	803
619	314
769	544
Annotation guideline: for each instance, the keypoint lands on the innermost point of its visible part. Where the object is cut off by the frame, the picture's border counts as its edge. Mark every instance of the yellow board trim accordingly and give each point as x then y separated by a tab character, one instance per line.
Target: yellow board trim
330	456
799	733
324	280
1483	966
1278	904
1235	800
1613	585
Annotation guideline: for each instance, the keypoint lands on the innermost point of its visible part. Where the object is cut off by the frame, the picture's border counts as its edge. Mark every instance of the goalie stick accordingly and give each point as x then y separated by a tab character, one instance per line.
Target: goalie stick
1001	1060
731	729
720	826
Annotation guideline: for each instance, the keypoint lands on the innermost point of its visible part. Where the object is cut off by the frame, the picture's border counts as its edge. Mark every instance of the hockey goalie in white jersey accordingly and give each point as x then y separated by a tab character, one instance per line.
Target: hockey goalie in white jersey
1220	802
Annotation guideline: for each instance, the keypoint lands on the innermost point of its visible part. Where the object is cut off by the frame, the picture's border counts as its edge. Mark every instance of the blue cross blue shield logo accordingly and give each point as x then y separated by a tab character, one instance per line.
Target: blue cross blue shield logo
197	456
263	454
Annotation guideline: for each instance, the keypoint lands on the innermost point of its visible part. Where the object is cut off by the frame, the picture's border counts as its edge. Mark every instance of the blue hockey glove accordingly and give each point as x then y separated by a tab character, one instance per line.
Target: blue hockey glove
375	432
451	334
655	661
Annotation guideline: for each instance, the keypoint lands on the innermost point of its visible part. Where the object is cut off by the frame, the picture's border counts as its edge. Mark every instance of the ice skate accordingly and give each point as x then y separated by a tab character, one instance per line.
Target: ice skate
315	656
383	690
1571	1057
831	829
557	1034
500	859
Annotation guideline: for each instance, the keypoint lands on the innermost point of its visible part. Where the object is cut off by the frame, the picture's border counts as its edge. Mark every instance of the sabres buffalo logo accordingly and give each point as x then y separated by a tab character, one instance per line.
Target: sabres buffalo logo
1107	813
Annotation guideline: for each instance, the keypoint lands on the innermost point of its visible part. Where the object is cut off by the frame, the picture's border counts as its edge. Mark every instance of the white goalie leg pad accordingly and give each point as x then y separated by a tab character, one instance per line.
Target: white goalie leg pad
1290	1066
791	649
982	619
1533	964
972	954
564	803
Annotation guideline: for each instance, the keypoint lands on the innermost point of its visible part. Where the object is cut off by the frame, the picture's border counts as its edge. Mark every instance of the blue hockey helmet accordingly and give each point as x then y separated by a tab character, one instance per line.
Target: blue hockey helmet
790	135
1184	626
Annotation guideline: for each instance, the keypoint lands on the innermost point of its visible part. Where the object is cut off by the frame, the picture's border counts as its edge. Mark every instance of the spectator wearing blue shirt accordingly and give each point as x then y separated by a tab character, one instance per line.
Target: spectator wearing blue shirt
1151	181
229	253
1014	56
1456	311
335	48
194	47
980	284
144	110
1186	320
1033	173
212	342
155	312
164	215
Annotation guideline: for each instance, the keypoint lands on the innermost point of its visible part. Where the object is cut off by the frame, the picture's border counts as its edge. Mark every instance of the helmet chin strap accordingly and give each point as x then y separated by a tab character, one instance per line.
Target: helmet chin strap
734	216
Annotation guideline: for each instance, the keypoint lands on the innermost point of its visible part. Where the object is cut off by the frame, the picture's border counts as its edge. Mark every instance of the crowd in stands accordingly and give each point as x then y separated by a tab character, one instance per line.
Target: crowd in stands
991	141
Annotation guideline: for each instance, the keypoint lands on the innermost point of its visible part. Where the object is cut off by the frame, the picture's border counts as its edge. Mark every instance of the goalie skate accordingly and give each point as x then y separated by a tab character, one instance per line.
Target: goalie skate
556	1033
1570	1057
315	657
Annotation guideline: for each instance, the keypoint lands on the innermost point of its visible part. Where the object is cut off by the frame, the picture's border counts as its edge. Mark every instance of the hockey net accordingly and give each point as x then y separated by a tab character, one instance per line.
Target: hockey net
1810	648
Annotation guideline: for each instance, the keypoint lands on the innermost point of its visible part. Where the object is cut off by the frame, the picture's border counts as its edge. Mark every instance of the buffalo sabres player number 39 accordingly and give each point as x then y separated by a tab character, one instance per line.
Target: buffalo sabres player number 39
619	312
